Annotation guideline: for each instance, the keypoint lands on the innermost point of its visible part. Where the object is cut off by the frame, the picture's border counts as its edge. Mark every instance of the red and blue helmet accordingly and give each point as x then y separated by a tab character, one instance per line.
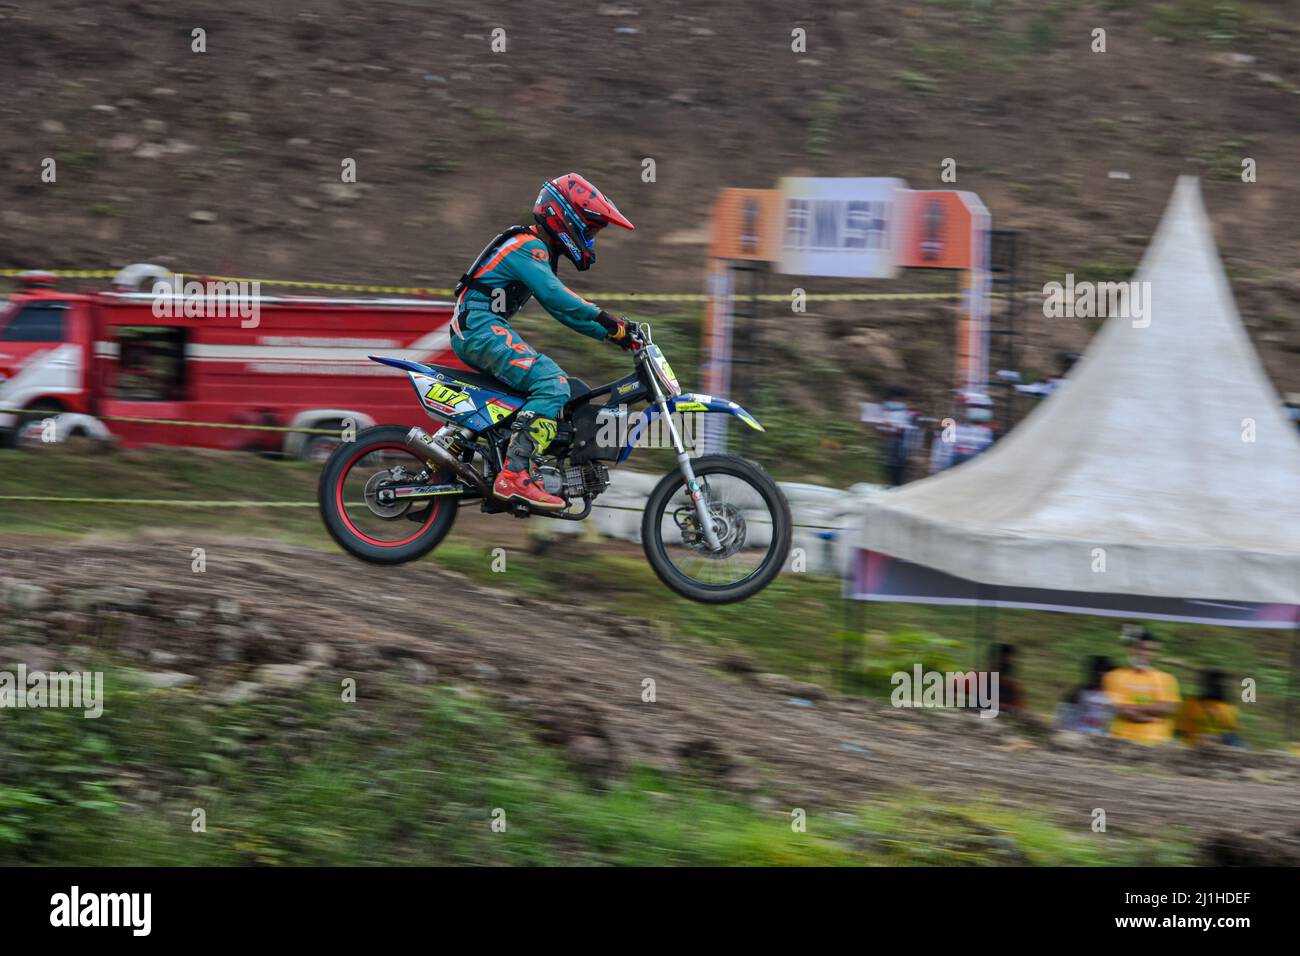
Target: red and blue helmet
572	210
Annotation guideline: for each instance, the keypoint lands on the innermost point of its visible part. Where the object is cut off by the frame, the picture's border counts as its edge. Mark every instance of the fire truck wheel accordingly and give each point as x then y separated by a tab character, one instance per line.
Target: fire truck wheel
319	448
368	532
27	435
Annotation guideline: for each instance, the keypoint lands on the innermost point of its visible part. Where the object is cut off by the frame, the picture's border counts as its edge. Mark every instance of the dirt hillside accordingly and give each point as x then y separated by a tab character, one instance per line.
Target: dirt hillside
228	161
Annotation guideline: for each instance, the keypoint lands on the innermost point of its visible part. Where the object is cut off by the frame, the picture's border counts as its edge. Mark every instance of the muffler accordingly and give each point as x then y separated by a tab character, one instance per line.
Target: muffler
431	448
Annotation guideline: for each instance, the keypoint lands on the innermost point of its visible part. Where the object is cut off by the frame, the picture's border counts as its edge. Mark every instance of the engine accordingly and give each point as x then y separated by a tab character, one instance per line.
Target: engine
580	481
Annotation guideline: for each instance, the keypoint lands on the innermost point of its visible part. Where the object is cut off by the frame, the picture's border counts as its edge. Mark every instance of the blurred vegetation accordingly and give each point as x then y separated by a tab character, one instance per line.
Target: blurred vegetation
1217	22
825	116
1119	270
1222	160
917	82
416	776
884	654
80	157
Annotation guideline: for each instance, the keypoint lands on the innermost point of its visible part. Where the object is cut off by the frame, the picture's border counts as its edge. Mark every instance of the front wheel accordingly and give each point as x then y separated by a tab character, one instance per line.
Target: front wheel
750	517
364	526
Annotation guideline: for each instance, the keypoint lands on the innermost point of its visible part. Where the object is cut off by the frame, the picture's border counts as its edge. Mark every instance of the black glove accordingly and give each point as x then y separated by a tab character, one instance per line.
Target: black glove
619	331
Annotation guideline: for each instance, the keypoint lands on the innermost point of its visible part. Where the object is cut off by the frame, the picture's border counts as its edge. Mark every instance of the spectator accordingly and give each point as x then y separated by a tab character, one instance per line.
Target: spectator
1145	697
1001	662
1010	694
897	424
1292	405
1211	716
960	441
1064	361
1088	709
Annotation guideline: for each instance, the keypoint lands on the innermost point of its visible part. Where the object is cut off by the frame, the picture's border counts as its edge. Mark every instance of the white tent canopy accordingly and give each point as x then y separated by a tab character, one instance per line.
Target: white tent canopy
1146	453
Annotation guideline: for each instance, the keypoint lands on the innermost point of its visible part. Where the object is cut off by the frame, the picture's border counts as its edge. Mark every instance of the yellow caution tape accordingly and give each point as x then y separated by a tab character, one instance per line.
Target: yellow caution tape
336	286
48	413
194	503
608	296
161	502
66	273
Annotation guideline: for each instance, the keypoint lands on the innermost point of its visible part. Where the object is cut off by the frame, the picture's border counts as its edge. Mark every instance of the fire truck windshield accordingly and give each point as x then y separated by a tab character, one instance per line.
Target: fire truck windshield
36	322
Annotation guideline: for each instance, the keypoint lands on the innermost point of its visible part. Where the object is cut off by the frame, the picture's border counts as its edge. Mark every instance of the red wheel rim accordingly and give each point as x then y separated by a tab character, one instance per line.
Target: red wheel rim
343	513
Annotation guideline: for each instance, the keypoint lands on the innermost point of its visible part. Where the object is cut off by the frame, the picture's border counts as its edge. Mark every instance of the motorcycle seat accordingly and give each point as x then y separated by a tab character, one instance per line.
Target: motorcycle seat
577	386
479	379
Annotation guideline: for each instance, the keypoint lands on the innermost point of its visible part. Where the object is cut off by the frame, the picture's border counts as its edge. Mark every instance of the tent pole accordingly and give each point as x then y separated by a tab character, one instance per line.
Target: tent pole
854	621
986	627
846	594
1290	681
844	647
993	624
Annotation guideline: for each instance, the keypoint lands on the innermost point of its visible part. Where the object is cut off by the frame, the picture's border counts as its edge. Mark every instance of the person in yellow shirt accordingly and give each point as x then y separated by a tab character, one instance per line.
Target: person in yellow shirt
1146	698
1211	716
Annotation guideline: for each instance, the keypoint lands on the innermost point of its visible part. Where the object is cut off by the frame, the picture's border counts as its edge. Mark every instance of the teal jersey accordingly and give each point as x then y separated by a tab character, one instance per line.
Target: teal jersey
516	271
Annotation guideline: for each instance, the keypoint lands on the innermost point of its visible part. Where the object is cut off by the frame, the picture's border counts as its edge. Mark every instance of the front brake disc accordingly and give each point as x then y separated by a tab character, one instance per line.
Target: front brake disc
729	524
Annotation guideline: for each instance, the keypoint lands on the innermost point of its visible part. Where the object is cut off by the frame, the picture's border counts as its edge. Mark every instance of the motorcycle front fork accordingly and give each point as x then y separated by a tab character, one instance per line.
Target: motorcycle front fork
693	486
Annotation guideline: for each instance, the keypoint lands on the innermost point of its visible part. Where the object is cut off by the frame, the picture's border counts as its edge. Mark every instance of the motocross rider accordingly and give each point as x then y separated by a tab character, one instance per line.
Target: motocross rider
514	267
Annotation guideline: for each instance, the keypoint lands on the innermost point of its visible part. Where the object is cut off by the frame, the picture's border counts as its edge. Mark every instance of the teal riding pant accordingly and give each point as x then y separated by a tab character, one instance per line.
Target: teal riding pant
491	346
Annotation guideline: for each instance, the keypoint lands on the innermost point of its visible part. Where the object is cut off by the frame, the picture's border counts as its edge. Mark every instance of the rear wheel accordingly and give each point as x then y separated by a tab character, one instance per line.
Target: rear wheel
385	533
750	517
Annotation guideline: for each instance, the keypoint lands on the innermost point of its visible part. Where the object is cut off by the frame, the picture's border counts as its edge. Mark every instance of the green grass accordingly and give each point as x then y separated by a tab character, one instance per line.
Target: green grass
824	120
417	776
917	81
916	832
1220	23
1222	159
1107	271
156	473
79	157
440	159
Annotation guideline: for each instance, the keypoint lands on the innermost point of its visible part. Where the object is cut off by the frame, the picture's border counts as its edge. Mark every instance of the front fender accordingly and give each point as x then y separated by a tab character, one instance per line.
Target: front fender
686	402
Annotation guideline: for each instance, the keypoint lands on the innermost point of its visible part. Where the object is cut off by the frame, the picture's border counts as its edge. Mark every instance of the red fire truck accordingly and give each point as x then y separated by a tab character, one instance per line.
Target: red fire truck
222	357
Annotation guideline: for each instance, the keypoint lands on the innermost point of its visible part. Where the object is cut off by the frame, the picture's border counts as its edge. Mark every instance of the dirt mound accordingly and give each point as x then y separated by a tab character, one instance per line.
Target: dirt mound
611	692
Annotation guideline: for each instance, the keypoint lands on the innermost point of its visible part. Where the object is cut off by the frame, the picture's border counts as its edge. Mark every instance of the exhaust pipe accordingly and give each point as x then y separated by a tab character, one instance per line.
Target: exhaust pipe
428	447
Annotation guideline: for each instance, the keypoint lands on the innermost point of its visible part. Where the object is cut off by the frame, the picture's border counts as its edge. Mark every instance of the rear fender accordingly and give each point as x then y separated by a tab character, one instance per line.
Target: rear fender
448	399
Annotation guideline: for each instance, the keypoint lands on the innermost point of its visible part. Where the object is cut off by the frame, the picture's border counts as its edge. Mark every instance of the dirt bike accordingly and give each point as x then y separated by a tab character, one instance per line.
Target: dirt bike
715	530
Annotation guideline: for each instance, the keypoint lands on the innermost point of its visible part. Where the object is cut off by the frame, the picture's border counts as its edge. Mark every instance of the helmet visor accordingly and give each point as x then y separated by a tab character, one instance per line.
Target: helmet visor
589	231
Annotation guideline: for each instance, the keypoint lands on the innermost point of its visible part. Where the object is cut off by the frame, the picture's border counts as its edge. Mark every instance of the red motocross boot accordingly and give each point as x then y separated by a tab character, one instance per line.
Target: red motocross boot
522	485
530	434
